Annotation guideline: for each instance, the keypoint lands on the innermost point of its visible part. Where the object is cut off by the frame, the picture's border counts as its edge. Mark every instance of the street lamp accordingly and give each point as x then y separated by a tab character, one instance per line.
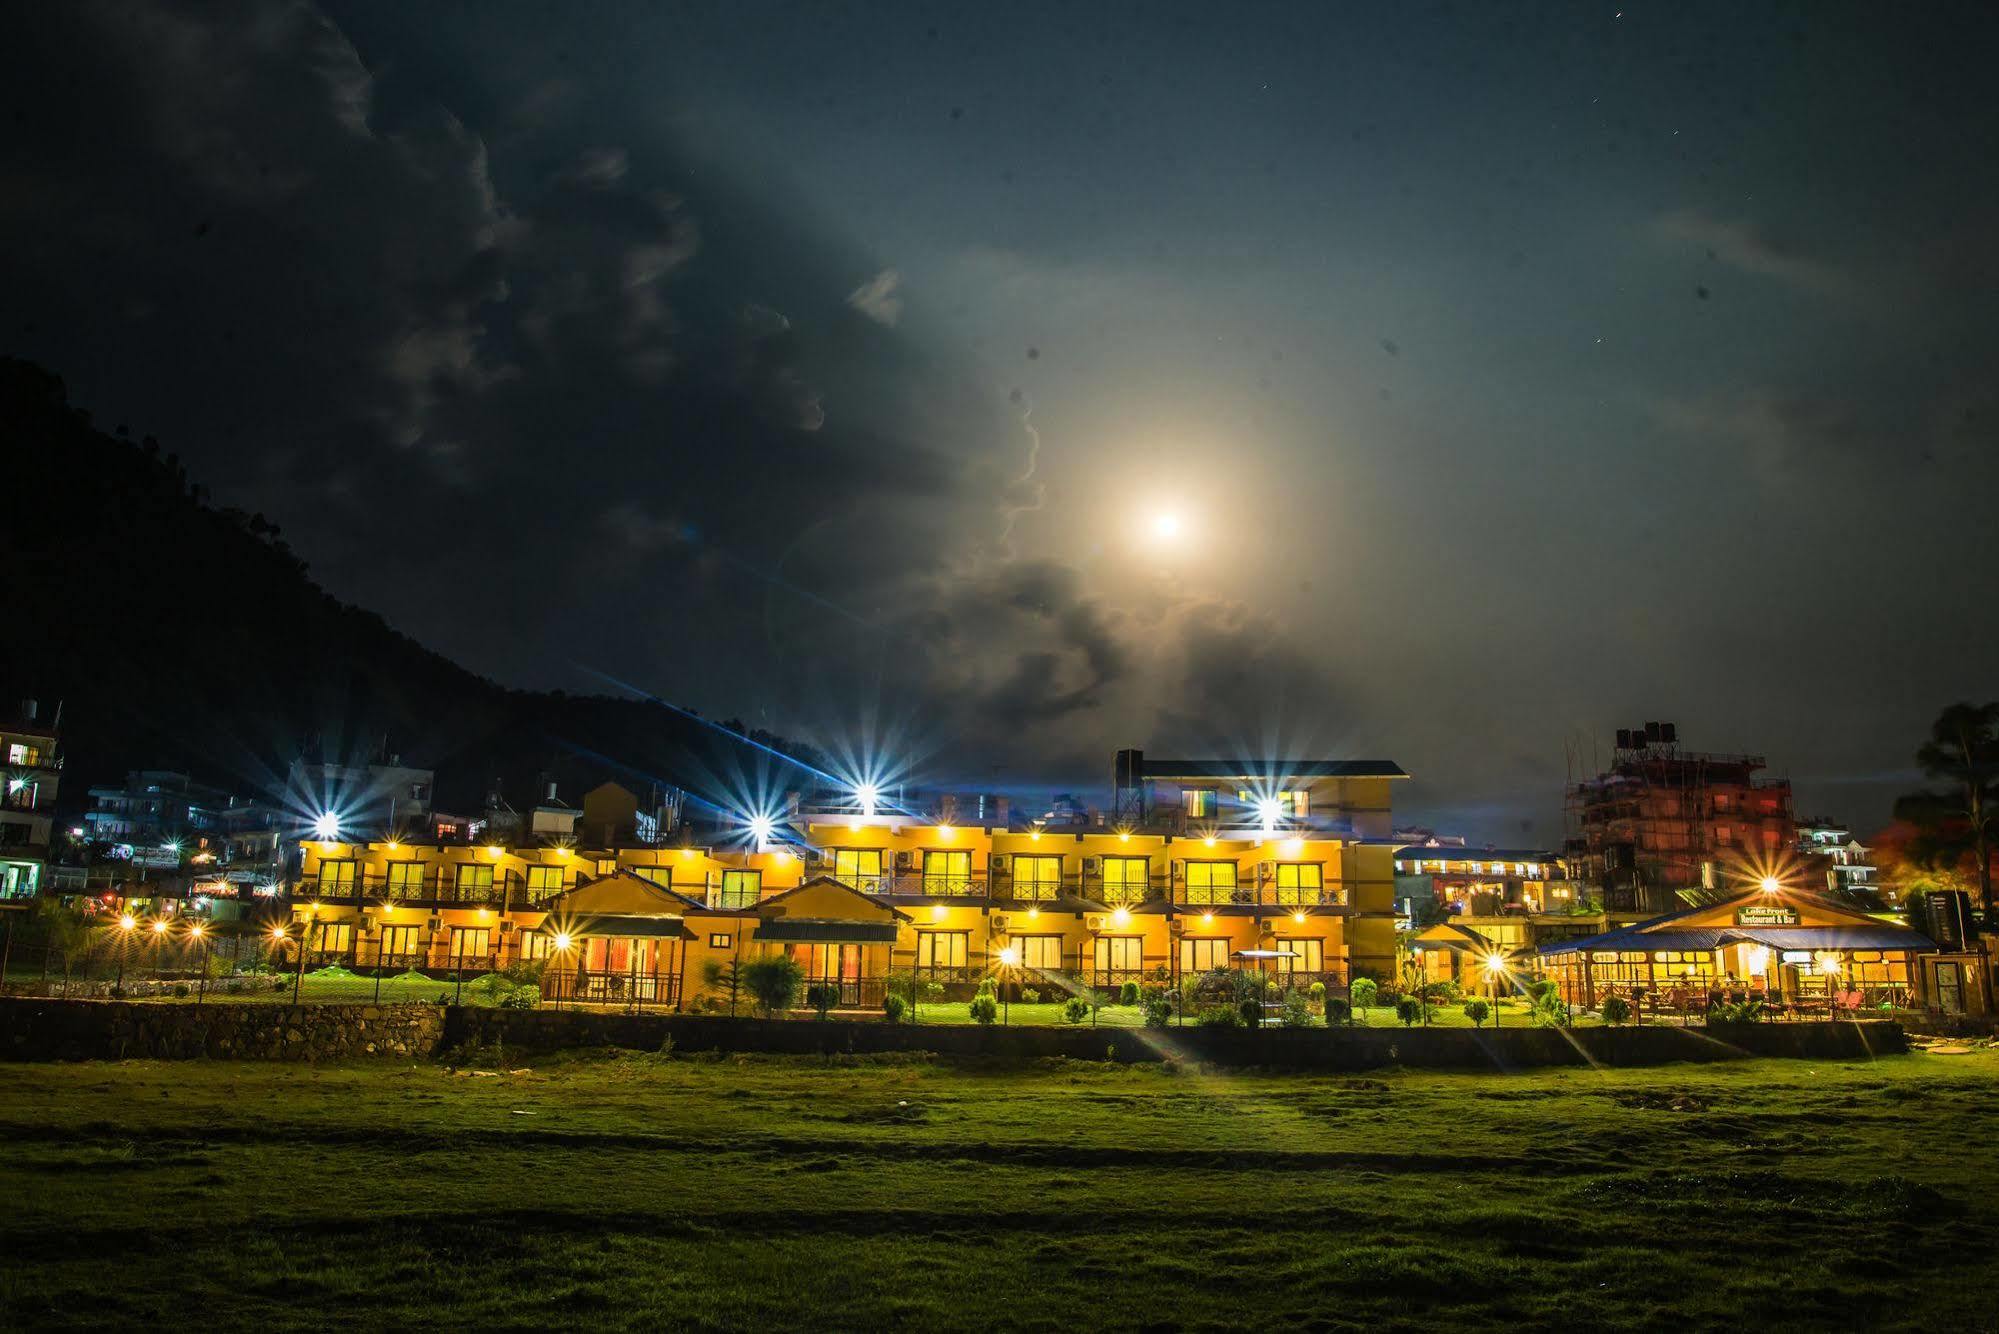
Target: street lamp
1771	884
1495	968
1008	956
125	924
198	934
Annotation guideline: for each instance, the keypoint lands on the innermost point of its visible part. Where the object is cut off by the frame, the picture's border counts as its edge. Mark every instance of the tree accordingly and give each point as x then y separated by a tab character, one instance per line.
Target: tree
1362	993
64	930
773	982
1960	821
1476	1010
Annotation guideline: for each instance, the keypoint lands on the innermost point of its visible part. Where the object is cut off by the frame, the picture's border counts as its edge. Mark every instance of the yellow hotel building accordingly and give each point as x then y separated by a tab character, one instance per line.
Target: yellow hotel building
1281	867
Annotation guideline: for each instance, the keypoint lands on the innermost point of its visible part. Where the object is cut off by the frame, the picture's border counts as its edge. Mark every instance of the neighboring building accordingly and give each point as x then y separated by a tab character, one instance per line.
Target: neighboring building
1662	823
154	808
31	749
1831	847
1181	886
1459	950
387	798
1784	945
1482	881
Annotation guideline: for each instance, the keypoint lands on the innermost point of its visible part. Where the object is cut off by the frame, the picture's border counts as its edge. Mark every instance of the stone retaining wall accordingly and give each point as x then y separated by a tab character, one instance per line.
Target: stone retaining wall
62	1030
538	1031
113	1030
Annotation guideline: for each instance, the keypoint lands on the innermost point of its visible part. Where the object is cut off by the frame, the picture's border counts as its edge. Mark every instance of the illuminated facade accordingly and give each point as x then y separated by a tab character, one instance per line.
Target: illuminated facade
32	770
1156	896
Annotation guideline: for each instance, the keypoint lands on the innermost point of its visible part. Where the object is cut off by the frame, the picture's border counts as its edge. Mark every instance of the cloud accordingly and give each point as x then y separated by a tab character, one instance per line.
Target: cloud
877	299
1746	246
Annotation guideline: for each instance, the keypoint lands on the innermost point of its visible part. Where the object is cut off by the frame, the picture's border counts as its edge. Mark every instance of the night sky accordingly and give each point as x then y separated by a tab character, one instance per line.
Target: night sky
994	386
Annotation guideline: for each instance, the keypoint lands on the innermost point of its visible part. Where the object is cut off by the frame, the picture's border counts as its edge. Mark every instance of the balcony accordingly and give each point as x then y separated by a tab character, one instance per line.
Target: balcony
430	891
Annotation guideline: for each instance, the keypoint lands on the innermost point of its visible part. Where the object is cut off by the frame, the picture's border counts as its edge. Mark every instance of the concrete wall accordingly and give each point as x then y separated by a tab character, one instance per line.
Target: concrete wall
63	1030
113	1030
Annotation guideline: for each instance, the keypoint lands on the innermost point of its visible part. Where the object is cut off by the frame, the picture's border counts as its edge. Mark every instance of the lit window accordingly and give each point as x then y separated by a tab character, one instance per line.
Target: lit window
1203	954
1199	803
740	889
1037	877
719	941
859	867
1126	880
947	873
1041	952
1211	883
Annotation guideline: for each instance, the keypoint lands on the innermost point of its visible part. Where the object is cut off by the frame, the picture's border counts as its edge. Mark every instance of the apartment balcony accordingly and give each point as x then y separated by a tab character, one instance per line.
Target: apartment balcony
429	892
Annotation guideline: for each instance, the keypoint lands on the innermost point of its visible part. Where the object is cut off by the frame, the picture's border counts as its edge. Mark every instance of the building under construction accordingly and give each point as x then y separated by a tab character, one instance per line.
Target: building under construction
1663	824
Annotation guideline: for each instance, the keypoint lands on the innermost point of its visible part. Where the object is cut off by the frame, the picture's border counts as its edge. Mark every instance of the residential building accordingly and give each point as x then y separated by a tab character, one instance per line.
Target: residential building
32	751
1830	847
1663	825
155	808
1486	881
1177	887
383	798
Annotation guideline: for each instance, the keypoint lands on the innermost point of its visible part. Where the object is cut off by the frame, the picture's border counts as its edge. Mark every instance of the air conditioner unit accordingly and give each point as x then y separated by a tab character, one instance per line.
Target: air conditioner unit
1178	926
998	861
1094	921
1178	869
905	860
1093	866
999	924
815	857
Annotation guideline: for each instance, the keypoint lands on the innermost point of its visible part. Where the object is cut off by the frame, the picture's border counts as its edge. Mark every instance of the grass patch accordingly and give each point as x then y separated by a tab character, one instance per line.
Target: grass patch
734	1192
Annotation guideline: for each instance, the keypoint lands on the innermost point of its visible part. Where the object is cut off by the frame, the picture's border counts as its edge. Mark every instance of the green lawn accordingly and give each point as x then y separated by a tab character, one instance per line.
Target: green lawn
780	1193
1513	1014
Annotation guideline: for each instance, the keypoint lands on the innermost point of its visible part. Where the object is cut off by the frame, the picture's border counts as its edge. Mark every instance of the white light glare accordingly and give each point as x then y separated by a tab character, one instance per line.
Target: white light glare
761	828
326	827
867	794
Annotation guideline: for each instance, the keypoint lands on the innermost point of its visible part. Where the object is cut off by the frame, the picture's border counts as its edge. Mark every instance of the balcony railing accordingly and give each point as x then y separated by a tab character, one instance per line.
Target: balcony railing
430	890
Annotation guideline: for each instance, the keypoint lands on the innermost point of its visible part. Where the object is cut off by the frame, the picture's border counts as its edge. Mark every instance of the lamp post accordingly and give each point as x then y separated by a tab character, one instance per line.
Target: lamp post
125	924
197	933
1495	968
1008	957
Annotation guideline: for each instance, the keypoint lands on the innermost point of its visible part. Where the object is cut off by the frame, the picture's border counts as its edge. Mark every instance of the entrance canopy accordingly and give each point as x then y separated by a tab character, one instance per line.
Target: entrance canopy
626	927
801	931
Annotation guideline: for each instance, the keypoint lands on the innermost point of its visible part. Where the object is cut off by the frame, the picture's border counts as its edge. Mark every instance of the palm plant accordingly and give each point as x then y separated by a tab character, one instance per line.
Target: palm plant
1958	821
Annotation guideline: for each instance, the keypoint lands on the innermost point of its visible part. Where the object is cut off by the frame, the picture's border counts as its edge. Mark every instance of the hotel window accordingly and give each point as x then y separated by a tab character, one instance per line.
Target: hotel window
1292	803
336	878
1199	803
470	942
536	945
1301	955
1036	876
941	950
658	875
544	882
335	937
1120	954
1201	955
1126	880
740	889
947	873
1300	883
859	867
1210	883
1040	952
399	942
719	941
17	753
475	878
405	880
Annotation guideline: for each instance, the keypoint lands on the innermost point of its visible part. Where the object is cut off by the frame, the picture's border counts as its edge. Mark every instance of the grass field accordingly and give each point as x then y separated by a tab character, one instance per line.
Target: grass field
783	1193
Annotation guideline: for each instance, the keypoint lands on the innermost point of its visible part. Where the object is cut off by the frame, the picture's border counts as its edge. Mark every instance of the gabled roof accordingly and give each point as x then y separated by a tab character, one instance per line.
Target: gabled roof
835	882
621	893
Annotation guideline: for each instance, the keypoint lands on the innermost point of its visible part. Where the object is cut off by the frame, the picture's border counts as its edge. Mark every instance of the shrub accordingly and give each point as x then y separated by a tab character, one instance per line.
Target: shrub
1546	1003
1219	1016
1338	1012
525	997
773	982
1297	1009
527	972
180	990
1158	1010
984	1008
894	1007
1128	993
1476	1010
933	991
1029	996
1318	994
1076	1011
987	987
1749	1011
1363	993
1409	1009
1616	1010
822	996
1252	1012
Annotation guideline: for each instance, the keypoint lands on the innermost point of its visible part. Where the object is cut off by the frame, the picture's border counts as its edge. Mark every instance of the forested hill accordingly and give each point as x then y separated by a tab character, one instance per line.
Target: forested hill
179	634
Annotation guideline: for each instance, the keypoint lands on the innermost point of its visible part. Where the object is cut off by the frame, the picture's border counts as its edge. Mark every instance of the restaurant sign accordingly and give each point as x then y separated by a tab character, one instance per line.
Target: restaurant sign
1765	914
